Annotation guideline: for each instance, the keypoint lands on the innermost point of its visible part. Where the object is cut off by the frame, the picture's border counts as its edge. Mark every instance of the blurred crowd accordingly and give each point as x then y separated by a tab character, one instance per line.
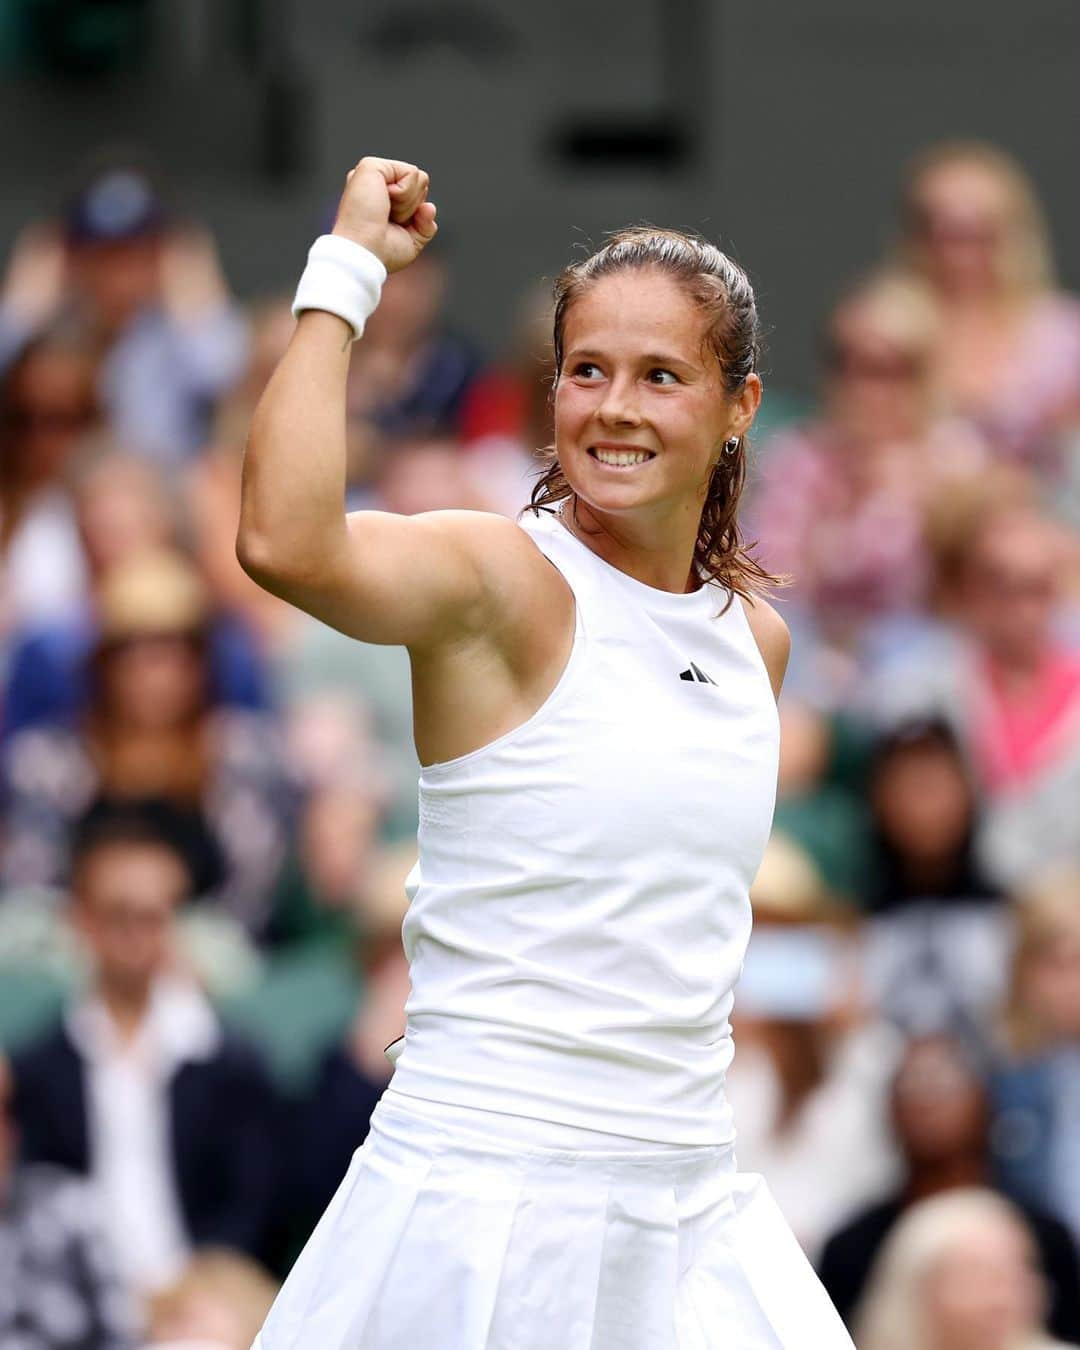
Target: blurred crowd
208	800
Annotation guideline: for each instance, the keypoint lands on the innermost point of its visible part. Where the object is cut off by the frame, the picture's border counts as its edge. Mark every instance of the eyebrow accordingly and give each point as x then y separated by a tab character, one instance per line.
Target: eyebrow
649	358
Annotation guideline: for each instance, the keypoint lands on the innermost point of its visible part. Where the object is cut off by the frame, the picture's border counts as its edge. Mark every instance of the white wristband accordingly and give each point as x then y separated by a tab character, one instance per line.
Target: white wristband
343	278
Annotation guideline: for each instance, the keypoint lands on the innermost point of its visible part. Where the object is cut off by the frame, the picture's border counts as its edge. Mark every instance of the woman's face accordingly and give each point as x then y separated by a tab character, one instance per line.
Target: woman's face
154	682
1050	984
641	415
50	405
960	224
876	382
922	802
985	1292
1011	588
122	511
938	1104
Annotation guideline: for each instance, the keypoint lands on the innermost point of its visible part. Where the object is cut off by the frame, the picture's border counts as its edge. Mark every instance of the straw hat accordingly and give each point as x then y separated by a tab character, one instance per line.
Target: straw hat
155	592
788	887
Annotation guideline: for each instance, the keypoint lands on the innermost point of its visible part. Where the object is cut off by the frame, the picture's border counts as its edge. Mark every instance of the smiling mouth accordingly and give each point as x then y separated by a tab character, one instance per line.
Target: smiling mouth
620	459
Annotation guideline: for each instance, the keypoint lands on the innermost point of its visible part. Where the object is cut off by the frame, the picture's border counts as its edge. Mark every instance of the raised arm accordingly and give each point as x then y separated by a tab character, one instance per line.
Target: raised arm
414	580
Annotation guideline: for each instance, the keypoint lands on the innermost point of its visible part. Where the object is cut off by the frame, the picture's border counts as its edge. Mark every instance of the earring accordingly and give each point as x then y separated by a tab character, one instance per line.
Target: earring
731	446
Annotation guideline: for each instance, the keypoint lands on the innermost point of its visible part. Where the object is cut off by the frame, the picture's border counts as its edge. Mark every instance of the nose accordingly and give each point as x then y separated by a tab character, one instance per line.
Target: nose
618	407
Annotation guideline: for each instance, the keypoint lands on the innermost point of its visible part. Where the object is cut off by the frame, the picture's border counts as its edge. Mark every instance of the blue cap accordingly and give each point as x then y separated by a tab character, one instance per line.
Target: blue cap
114	206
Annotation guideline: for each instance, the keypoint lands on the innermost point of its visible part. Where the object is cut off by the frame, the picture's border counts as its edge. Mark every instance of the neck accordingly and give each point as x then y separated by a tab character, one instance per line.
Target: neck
658	553
126	1007
1018	668
929	874
930	1178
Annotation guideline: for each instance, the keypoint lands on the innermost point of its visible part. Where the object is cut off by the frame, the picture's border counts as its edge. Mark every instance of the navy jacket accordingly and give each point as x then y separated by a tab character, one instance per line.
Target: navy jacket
224	1123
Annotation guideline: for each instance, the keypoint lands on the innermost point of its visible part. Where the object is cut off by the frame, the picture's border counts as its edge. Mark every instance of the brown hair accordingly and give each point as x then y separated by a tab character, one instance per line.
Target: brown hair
723	294
17	477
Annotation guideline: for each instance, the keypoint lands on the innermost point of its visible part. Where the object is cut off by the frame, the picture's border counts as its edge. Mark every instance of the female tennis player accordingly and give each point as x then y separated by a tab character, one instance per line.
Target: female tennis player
552	1166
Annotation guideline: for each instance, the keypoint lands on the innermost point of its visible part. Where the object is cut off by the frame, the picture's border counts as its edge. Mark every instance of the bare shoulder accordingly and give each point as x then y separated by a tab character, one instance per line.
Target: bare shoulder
772	637
522	587
503	553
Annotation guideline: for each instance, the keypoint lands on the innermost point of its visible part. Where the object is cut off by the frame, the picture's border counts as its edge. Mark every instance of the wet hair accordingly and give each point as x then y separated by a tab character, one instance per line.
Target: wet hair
723	294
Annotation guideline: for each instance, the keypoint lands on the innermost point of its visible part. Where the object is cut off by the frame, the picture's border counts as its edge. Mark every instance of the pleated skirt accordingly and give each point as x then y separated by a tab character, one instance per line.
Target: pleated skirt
449	1238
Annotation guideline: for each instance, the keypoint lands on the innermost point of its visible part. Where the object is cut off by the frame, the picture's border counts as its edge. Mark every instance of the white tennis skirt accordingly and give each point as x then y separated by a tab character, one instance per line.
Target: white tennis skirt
445	1236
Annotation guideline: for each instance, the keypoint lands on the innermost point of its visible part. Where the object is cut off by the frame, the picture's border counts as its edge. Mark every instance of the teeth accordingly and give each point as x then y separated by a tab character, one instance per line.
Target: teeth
621	456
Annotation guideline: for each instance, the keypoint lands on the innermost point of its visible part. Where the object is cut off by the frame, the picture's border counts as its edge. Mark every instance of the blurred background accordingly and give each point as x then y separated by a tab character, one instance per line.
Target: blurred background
208	800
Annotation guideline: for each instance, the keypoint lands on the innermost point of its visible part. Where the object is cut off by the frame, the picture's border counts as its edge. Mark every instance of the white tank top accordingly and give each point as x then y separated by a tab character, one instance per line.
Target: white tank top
580	909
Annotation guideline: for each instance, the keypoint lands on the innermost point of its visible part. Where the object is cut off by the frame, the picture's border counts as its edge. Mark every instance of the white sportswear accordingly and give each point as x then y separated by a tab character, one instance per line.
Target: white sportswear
580	910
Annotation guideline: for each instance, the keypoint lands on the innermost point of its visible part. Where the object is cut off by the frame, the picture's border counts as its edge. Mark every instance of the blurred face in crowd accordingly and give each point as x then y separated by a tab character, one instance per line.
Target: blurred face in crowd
424	475
409	307
126	895
337	837
122	511
153	681
637	377
1009	591
117	279
877	374
985	1291
272	331
922	801
205	1319
938	1104
805	748
1050	981
50	404
960	218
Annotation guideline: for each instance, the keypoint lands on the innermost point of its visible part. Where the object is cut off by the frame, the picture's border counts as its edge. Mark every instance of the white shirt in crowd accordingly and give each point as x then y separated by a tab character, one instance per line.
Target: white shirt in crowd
130	1135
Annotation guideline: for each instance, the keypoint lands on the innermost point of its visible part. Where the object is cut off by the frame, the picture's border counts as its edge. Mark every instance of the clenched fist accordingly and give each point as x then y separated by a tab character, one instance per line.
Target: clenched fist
385	208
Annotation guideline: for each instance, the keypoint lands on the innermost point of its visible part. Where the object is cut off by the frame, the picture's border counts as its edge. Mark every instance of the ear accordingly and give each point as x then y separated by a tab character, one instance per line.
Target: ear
744	406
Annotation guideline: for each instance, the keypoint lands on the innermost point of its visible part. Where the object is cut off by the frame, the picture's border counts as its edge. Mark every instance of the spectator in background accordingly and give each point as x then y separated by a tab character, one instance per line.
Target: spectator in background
1036	1087
841	500
151	298
140	1087
427	473
124	512
940	1115
352	1076
47	404
60	1288
958	1273
1009	344
810	1076
938	939
211	484
324	886
151	734
507	418
1009	683
408	377
218	1303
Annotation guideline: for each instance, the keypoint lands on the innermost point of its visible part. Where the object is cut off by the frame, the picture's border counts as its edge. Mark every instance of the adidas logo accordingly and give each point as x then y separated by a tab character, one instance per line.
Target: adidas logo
695	673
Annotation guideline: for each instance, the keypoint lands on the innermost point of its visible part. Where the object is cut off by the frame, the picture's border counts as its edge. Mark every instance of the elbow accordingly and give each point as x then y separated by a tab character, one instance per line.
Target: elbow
257	557
277	568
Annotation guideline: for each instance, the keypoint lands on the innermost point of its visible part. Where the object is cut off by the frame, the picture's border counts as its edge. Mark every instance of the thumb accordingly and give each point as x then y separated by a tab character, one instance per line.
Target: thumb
424	223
